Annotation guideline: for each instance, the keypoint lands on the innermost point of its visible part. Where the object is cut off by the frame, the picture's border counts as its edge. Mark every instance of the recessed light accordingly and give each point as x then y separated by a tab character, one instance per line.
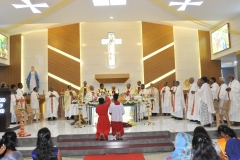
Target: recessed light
28	4
111	17
183	5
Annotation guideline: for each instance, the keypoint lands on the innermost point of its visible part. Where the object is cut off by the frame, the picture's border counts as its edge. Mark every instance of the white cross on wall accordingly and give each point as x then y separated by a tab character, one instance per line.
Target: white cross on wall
111	42
30	5
185	4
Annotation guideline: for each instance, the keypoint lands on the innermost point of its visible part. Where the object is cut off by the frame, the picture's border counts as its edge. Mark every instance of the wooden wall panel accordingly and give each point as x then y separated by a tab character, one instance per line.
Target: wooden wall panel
209	68
12	74
66	39
155	36
64	67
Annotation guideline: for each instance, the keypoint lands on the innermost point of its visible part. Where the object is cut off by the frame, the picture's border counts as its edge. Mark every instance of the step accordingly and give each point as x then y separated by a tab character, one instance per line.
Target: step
143	148
125	141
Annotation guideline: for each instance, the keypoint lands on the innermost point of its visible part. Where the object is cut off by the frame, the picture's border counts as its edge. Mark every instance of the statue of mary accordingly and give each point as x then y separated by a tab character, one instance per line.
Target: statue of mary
32	80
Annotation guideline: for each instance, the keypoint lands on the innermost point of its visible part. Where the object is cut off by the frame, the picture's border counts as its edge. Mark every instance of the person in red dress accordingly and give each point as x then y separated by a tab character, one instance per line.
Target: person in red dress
103	124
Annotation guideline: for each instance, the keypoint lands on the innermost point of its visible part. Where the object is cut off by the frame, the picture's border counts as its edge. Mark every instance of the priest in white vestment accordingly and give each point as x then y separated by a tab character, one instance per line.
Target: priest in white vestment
214	88
165	99
222	92
206	104
91	95
234	95
69	95
113	91
83	91
34	99
14	101
195	113
172	90
154	104
21	94
102	92
129	92
51	105
116	110
144	94
138	88
190	98
179	103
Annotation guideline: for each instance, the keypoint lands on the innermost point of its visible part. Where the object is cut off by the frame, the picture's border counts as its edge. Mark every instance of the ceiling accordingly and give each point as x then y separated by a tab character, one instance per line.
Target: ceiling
211	12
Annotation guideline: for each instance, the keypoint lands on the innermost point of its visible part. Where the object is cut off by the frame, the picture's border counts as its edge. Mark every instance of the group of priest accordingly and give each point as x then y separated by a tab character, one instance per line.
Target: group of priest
199	103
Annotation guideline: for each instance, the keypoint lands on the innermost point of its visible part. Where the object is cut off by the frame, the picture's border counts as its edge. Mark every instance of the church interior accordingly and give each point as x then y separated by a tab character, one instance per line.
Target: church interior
79	44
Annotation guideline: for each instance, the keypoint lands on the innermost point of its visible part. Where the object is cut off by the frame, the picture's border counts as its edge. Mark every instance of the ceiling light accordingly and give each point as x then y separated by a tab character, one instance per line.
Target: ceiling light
111	17
28	4
183	5
118	2
109	2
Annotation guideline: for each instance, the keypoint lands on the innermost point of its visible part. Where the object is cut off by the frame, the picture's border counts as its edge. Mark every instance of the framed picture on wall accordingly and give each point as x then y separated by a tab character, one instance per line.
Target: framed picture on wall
4	51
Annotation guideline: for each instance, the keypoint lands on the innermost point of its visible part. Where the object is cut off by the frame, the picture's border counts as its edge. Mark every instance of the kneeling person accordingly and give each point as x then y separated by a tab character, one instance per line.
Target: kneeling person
116	109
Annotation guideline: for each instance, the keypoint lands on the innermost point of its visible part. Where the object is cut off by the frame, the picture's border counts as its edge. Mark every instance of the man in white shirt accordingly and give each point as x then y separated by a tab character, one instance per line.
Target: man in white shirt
214	88
234	95
165	99
222	93
21	94
179	103
154	94
51	104
14	101
116	110
34	99
144	93
192	89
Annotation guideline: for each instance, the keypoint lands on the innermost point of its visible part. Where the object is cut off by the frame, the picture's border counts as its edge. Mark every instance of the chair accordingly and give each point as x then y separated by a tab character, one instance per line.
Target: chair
217	114
225	111
35	111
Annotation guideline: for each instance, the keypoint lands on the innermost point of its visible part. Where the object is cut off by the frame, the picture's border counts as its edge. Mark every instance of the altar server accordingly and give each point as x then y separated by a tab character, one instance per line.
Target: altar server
165	99
234	95
14	101
116	110
51	106
214	88
192	89
179	103
154	94
83	91
222	92
34	99
206	104
103	124
21	94
69	95
144	94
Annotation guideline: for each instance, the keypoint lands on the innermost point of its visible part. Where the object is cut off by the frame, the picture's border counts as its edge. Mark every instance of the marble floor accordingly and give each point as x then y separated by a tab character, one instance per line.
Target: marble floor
162	123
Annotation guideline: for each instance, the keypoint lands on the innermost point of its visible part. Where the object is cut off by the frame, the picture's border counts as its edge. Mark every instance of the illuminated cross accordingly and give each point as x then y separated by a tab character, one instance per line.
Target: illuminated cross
30	5
185	4
111	42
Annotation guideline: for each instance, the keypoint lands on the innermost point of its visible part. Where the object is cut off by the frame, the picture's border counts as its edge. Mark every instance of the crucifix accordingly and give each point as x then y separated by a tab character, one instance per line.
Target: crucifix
185	4
111	42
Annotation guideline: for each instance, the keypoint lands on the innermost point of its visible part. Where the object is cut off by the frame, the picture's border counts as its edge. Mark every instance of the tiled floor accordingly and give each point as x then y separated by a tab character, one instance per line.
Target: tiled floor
162	123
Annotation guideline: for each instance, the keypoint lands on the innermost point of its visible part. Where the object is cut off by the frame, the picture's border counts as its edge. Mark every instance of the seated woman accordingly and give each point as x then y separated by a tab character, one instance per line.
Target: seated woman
228	143
203	149
45	149
8	150
183	145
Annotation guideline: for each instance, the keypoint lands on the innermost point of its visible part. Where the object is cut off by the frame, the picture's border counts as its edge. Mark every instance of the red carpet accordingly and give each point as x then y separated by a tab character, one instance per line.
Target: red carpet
131	156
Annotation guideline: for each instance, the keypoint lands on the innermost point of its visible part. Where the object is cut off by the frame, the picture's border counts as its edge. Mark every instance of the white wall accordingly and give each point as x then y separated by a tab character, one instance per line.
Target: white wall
186	48
234	38
128	59
35	53
5	62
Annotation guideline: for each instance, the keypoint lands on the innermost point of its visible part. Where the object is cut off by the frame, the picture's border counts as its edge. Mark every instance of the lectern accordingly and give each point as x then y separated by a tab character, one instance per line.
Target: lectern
5	115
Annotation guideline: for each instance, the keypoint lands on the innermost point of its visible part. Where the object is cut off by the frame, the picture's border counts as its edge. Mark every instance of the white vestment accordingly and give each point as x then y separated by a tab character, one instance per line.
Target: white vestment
165	100
129	93
172	101
154	104
143	105
196	111
234	96
34	101
68	97
206	106
12	109
20	96
222	94
51	106
190	99
117	112
214	89
179	103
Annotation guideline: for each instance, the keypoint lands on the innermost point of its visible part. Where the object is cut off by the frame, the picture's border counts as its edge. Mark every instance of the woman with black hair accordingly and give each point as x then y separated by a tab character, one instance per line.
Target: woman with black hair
228	142
8	150
45	149
203	148
206	104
